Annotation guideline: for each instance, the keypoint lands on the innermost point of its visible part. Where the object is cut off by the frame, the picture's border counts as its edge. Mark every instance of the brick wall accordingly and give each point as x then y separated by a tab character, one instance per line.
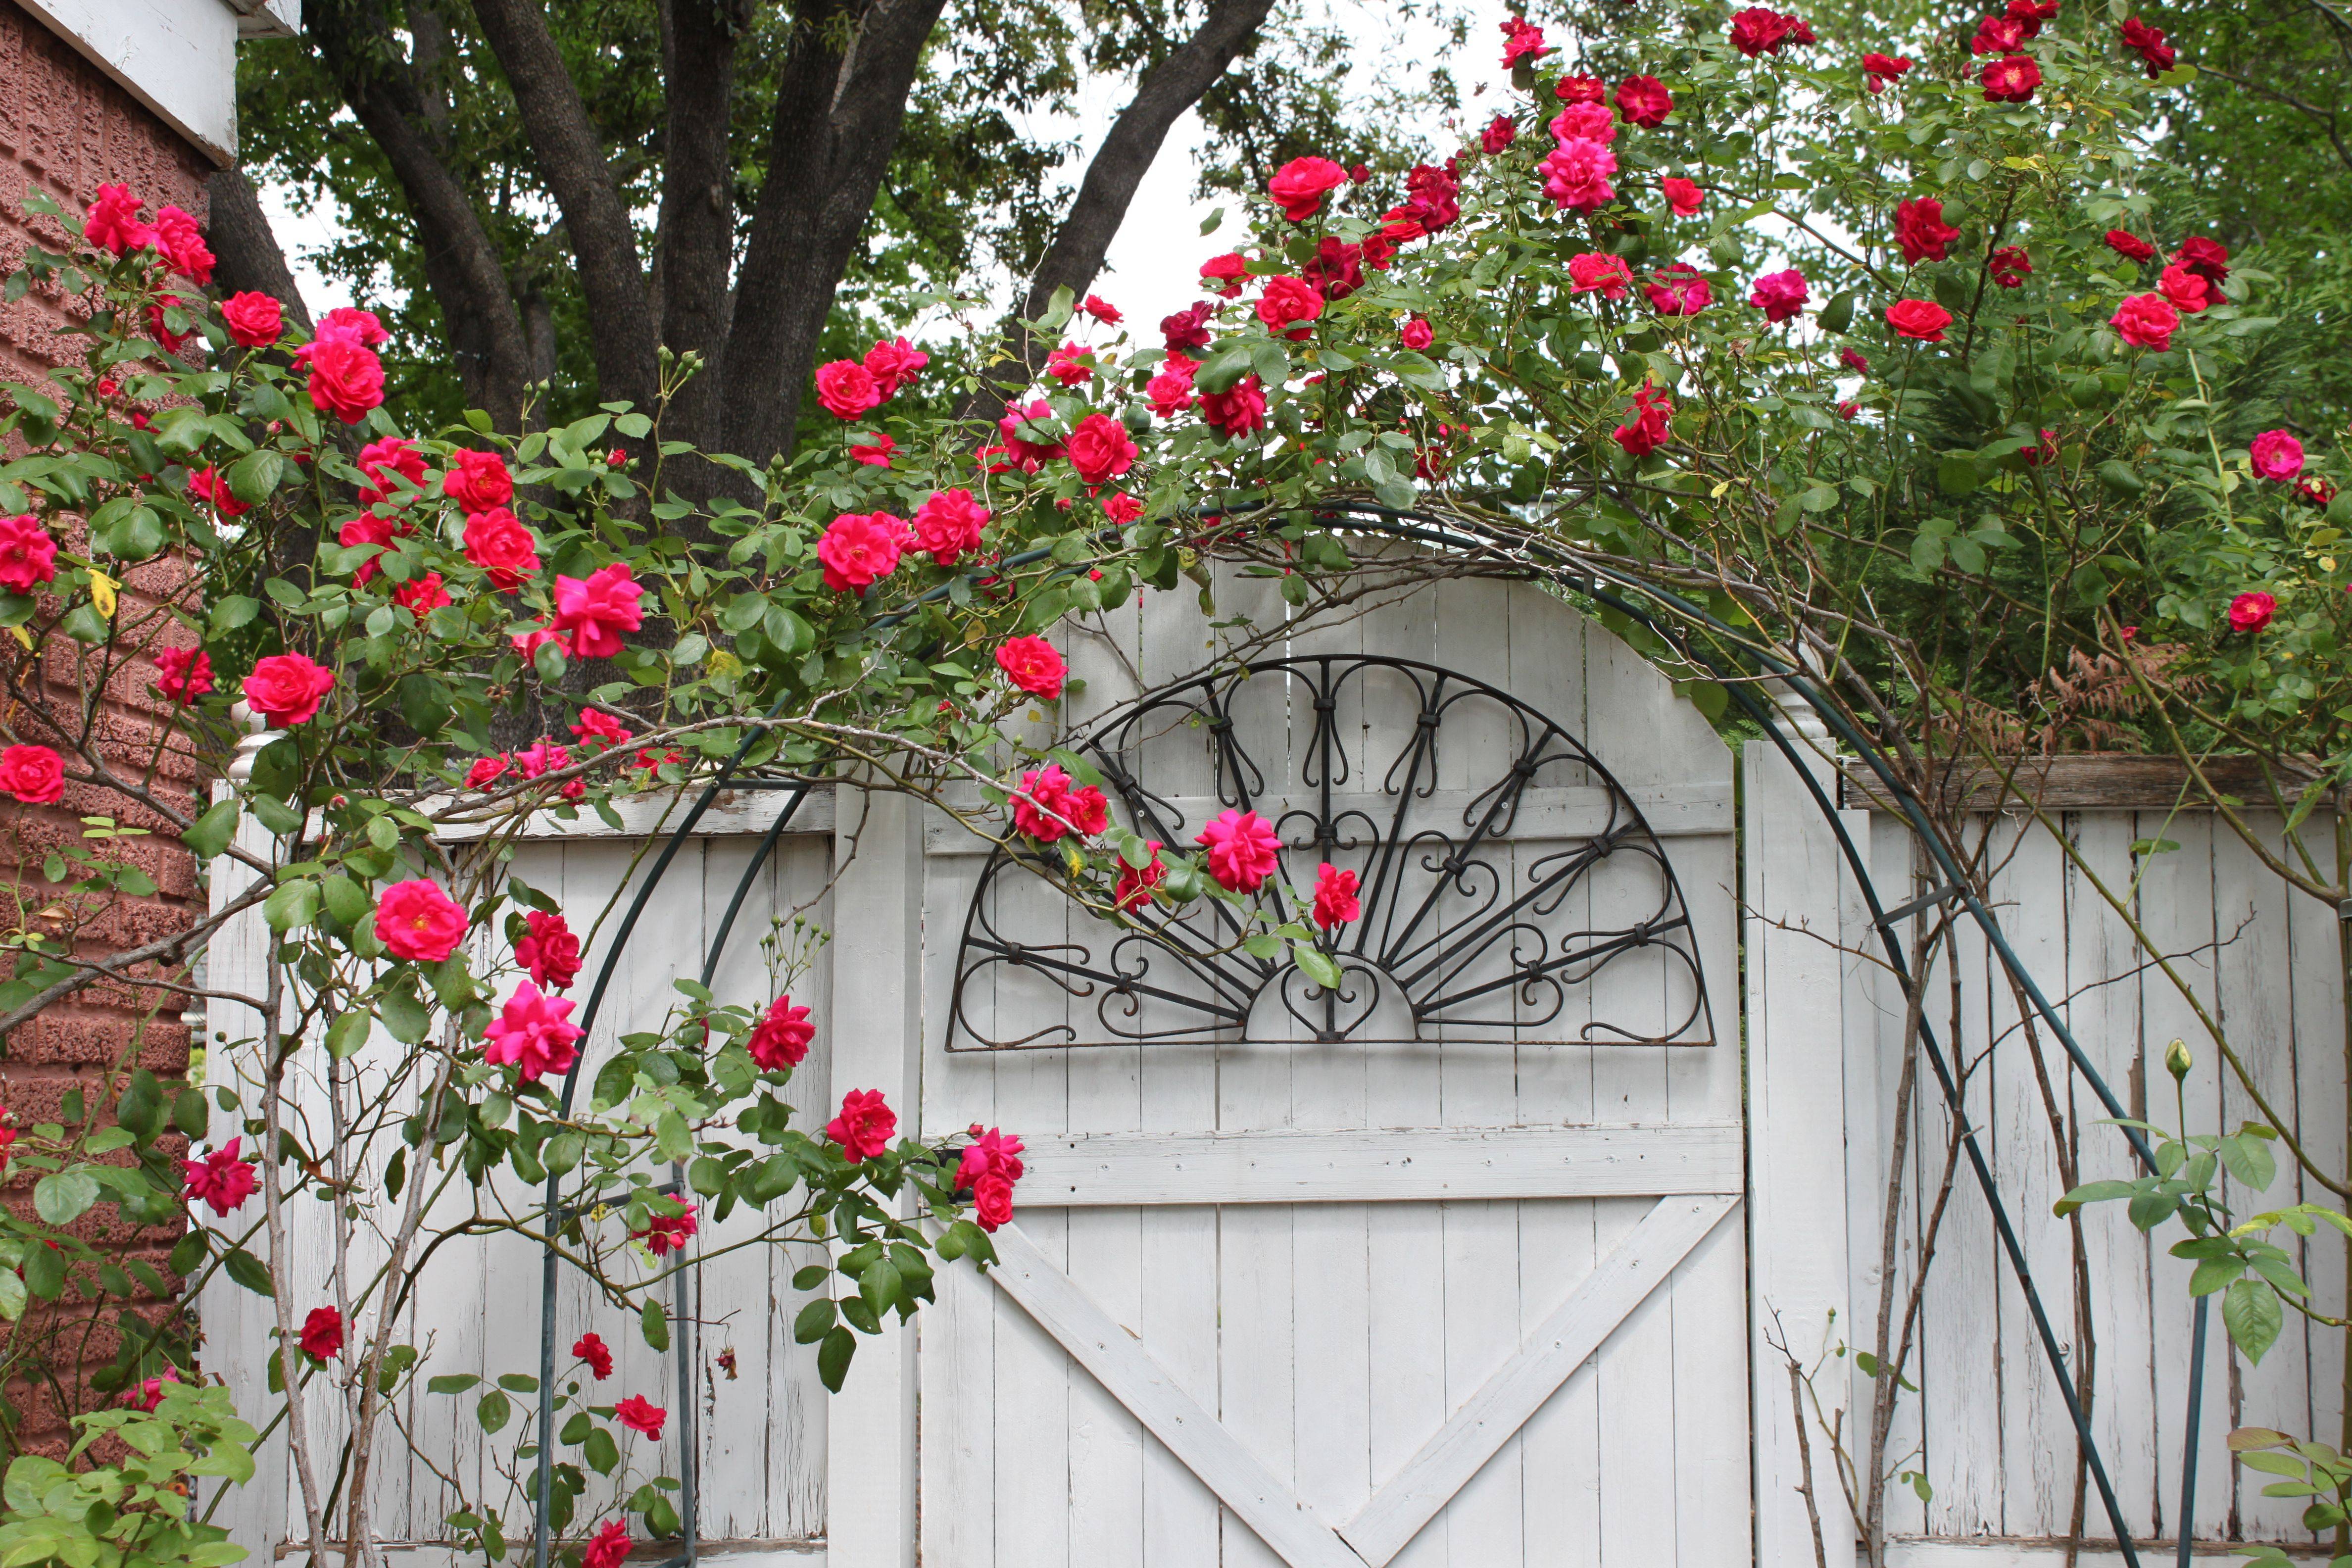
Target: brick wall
64	130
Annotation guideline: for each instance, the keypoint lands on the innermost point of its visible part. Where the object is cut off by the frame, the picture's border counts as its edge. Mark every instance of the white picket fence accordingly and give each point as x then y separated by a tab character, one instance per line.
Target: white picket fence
1456	1302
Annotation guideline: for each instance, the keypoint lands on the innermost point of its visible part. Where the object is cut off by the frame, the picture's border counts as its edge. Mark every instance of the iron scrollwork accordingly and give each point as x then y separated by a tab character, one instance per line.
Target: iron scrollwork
1503	872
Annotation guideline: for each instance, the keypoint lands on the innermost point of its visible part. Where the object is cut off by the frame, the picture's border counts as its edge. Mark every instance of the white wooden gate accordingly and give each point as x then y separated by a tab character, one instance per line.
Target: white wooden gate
1456	1285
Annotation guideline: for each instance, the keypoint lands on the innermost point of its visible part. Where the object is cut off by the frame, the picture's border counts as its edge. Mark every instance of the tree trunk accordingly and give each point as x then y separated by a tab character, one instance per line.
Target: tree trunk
247	248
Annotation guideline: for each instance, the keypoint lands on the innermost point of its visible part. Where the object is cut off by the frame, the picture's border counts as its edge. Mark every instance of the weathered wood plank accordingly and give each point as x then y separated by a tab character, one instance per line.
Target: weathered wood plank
2111	783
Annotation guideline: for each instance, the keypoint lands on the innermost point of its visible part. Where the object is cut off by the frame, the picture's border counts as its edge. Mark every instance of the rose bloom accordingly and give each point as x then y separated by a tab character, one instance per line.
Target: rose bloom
592	1349
1188	328
1237	412
287	687
2316	490
322	1333
28	553
1067	365
1757	31
1334	897
379	461
1643	101
2009	265
594	728
112	222
668	1232
220	1179
2185	290
477	482
1997	36
2011	78
1500	132
1522	40
1032	664
1678	291
948	523
893	363
2148	44
533	1034
496	542
34	775
2252	612
183	674
159	326
781	1039
2276	456
183	244
255	320
1780	295
2205	258
1646	429
1223	274
415	920
549	949
1300	185
368	529
1918	319
1120	507
991	1152
640	1414
1848	409
1335	271
1576	174
865	1125
346	378
1242	850
1102	310
206	484
1921	231
991	1201
1853	360
1880	69
597	608
1594	270
1029	454
1046	808
1287	305
2129	245
1171	391
607	1547
1100	449
1683	196
422	596
1416	334
1593	122
486	771
1580	89
2145	321
1135	884
847	389
860	548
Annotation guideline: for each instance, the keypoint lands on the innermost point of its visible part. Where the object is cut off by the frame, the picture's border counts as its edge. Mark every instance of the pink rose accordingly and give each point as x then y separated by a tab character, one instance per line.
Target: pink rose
1522	40
350	321
1135	884
1242	850
220	1179
1416	334
2277	455
847	389
1046	808
1334	897
610	1544
1102	310
533	1034
1223	274
2145	321
992	1153
892	364
666	1232
1919	319
1288	305
1576	174
865	1125
477	482
287	687
496	542
417	920
991	1201
593	728
1678	291
860	548
640	1414
183	244
1238	411
549	949
1593	270
27	555
781	1039
346	380
2184	289
183	674
1683	196
1030	454
1300	185
1068	364
2252	612
1171	391
112	222
2011	78
1590	121
379	461
1032	664
595	609
948	524
1780	295
34	775
255	320
1100	448
1643	101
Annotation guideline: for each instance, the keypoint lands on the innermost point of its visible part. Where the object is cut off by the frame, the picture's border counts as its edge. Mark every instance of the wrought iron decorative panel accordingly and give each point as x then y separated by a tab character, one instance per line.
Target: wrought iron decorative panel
1510	888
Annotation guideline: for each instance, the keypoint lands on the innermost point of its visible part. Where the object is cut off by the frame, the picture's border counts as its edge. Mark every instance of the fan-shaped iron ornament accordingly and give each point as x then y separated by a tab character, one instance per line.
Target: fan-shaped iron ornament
1510	888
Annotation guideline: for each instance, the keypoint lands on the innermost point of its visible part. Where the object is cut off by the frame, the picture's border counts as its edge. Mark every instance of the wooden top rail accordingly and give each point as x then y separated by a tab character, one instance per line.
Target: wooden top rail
2093	783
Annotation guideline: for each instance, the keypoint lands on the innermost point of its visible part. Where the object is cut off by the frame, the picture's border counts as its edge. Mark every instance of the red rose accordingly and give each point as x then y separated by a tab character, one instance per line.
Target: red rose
1997	36
159	327
1643	101
1682	195
1880	69
1580	89
1046	808
379	461
991	1201
1593	269
1068	364
1678	291
415	920
550	951
423	595
865	1125
346	379
1135	884
1336	269
948	524
2205	258
1300	185
2185	290
640	1414
183	244
1416	334
1171	391
322	1333
2011	78
781	1039
1242	850
1757	31
499	544
1646	429
183	674
1102	310
287	687
28	553
1100	449
1189	329
220	1179
1223	274
860	548
1522	40
2145	321
1120	507
2252	612
2009	265
255	320
668	1232
1918	319
1237	412
350	321
1500	132
2148	44
1289	303
1032	664
847	389
1027	452
2129	245
610	1544
1334	897
477	482
1780	295
592	1349
893	364
112	222
595	609
1921	231
34	775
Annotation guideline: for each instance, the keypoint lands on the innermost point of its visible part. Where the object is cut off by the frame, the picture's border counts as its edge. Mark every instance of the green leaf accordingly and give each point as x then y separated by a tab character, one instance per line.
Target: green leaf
1316	966
253	478
833	1358
654	1324
405	1016
1838	314
13	1295
248	1271
1955	474
600	1453
494	1410
347	1034
208	835
815	1320
1263	945
451	1382
2252	1312
293	906
64	1196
